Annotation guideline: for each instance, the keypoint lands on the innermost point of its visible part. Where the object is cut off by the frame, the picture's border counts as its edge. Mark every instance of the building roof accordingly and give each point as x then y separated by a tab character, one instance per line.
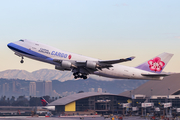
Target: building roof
71	98
152	87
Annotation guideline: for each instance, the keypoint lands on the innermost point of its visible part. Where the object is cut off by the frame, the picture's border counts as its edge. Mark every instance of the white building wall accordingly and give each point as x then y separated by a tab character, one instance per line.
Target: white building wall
100	90
91	89
48	88
32	89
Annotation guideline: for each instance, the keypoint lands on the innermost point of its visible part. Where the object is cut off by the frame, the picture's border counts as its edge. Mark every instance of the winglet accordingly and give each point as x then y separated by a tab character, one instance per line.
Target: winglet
130	58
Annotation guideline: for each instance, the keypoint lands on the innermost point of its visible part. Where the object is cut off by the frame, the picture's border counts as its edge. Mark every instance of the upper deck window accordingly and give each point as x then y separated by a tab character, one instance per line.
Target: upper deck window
21	40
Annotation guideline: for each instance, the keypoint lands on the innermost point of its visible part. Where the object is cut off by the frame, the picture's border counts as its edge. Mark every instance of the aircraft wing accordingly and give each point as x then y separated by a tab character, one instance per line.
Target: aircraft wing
104	63
88	66
116	61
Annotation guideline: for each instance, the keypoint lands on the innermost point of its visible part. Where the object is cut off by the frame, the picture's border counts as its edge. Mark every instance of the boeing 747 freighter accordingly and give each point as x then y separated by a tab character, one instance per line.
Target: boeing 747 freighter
81	66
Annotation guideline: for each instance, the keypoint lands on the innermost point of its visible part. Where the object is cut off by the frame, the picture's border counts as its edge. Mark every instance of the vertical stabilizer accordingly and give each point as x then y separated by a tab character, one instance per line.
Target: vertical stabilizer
157	64
43	101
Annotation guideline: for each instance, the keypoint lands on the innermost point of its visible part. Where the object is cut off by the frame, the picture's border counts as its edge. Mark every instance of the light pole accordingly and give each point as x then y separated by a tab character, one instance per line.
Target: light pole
133	98
168	92
170	101
151	92
167	99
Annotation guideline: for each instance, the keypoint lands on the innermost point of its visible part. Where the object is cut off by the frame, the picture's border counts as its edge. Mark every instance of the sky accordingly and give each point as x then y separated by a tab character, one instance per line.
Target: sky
104	29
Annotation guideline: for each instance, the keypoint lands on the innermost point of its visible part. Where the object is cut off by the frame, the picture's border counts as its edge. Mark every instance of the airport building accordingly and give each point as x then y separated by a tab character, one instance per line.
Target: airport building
170	85
157	92
89	102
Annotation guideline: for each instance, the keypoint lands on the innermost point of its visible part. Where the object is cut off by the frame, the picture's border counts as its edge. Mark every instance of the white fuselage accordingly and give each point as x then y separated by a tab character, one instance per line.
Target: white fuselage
51	108
46	53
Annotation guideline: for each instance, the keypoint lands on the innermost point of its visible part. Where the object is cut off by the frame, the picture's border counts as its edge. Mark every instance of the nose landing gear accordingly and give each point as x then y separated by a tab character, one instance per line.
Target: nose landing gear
22	61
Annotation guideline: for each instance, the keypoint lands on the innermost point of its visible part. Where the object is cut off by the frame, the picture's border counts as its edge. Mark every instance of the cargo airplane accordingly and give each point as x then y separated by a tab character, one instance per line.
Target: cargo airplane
81	66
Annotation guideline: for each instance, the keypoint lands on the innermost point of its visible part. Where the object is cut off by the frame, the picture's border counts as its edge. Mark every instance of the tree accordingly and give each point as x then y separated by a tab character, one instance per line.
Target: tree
52	98
4	98
12	100
21	101
3	101
35	101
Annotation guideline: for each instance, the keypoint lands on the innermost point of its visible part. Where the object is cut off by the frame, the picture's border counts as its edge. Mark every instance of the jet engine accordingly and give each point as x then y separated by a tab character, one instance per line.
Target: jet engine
59	68
65	65
91	64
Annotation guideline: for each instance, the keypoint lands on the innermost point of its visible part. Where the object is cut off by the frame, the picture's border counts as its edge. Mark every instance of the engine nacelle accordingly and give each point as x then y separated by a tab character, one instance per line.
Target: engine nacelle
59	68
91	64
66	64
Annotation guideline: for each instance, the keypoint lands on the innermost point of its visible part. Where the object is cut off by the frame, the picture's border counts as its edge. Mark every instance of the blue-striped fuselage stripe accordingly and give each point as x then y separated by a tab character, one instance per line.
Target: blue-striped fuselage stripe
24	50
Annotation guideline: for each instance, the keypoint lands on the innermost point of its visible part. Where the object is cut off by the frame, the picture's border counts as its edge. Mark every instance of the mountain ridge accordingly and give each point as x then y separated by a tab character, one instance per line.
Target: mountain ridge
43	74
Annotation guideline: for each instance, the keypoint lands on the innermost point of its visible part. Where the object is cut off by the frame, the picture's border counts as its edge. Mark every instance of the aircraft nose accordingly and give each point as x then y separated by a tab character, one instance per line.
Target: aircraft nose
9	45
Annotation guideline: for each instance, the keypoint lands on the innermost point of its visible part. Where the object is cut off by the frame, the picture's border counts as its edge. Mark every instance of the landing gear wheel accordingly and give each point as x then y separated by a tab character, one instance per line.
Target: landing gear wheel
84	77
22	61
79	75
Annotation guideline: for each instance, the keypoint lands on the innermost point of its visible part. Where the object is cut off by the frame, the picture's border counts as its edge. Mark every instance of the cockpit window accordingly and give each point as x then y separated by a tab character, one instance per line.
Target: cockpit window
21	40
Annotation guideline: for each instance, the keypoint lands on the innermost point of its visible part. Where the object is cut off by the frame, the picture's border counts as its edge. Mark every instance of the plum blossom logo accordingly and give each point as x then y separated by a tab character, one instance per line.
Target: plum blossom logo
156	64
43	102
69	56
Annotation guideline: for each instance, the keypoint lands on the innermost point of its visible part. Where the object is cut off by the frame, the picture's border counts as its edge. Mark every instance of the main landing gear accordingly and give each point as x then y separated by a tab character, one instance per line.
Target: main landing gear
79	75
22	61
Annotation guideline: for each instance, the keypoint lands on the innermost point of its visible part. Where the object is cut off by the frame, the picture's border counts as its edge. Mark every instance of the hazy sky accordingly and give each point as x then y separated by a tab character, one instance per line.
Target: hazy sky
104	29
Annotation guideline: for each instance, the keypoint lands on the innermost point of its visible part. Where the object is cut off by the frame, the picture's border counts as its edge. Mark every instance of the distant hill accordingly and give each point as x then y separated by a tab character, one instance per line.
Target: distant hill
64	81
43	74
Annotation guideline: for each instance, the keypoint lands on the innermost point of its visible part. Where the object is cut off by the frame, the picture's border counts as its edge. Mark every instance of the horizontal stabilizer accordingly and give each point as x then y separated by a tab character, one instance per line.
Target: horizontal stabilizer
155	75
116	61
